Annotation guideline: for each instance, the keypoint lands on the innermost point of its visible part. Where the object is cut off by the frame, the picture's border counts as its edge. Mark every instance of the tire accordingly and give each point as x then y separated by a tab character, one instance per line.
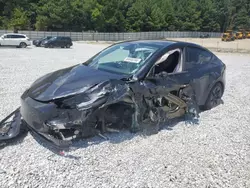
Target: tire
214	97
67	46
51	46
22	45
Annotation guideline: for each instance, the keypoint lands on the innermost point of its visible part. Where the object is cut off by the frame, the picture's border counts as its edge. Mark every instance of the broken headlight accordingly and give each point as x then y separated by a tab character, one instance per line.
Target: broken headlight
4	128
92	103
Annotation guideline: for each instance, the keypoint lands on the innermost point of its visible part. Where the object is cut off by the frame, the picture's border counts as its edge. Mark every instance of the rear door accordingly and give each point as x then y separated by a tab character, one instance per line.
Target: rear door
17	39
199	63
60	41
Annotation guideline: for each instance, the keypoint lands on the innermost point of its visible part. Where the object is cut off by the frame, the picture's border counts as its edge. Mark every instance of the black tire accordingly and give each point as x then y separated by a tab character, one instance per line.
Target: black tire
22	45
67	46
51	46
214	97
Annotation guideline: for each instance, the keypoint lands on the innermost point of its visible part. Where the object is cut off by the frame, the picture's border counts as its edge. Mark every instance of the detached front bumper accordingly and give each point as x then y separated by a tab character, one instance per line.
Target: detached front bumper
10	126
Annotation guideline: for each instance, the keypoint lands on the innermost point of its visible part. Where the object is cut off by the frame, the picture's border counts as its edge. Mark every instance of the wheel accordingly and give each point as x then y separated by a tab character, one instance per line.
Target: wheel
67	46
51	46
214	97
22	45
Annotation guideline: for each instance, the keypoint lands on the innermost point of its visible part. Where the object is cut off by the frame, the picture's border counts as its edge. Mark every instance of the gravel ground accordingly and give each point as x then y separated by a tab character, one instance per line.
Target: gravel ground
242	45
214	153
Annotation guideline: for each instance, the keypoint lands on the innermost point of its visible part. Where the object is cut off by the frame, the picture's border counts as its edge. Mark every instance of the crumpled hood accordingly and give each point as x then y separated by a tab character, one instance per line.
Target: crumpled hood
68	82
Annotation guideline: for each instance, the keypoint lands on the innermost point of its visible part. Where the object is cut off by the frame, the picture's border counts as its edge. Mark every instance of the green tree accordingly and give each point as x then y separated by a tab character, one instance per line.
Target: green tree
209	21
125	15
167	9
145	15
187	15
19	19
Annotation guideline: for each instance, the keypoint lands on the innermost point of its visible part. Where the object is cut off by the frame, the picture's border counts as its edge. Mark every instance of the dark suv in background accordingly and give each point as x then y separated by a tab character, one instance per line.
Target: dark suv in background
38	42
58	42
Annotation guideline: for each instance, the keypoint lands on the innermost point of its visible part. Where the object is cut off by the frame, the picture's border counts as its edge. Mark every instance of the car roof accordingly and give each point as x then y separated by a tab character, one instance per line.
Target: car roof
159	42
164	43
14	34
62	36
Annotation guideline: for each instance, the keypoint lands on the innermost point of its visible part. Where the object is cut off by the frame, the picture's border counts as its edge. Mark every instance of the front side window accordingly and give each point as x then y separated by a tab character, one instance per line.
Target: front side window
125	58
196	56
171	62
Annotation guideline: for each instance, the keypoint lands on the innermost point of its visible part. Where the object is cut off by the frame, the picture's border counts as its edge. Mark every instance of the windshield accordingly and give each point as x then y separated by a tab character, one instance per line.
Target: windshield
125	58
53	38
46	38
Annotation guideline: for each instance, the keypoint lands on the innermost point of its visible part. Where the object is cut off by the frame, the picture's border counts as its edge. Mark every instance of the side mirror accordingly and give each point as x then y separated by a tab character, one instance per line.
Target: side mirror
162	74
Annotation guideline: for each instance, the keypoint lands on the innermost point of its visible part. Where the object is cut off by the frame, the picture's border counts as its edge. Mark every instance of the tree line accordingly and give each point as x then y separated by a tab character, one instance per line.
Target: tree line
125	15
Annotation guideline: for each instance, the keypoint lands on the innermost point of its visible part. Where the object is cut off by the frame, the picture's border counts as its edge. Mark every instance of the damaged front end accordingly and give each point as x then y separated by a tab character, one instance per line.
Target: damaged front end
106	107
82	115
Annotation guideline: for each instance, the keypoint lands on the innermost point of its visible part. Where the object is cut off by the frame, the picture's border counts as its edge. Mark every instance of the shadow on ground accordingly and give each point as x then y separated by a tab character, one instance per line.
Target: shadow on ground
114	138
13	141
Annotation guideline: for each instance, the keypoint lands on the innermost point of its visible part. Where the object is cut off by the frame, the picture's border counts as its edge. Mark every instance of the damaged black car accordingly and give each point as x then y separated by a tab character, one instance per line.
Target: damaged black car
130	85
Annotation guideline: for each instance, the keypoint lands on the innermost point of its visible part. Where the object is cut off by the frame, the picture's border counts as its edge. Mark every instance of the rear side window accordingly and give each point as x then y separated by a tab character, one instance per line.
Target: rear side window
196	56
16	36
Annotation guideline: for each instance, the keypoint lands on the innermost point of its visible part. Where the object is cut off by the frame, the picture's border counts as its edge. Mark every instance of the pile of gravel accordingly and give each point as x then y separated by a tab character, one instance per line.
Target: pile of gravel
214	153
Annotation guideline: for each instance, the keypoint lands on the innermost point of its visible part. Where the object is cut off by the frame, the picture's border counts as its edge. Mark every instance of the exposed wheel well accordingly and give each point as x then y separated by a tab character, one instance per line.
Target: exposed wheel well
223	86
202	107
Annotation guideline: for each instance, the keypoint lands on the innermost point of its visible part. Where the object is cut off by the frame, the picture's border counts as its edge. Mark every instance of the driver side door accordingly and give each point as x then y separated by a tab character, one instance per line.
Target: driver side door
5	40
163	82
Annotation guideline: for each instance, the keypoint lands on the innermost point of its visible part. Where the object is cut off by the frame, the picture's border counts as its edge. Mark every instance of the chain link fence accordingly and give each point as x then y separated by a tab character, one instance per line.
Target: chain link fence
96	36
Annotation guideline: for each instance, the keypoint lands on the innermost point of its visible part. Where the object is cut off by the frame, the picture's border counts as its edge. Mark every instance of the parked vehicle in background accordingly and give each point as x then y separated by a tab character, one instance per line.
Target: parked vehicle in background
38	42
58	42
228	36
248	34
204	36
239	35
15	39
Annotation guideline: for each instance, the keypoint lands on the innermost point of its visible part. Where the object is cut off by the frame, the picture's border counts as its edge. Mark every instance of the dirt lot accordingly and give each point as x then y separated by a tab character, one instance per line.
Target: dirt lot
214	153
218	45
215	44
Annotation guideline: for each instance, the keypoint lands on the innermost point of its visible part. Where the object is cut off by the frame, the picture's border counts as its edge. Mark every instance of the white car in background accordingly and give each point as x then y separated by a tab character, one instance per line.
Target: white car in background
15	39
